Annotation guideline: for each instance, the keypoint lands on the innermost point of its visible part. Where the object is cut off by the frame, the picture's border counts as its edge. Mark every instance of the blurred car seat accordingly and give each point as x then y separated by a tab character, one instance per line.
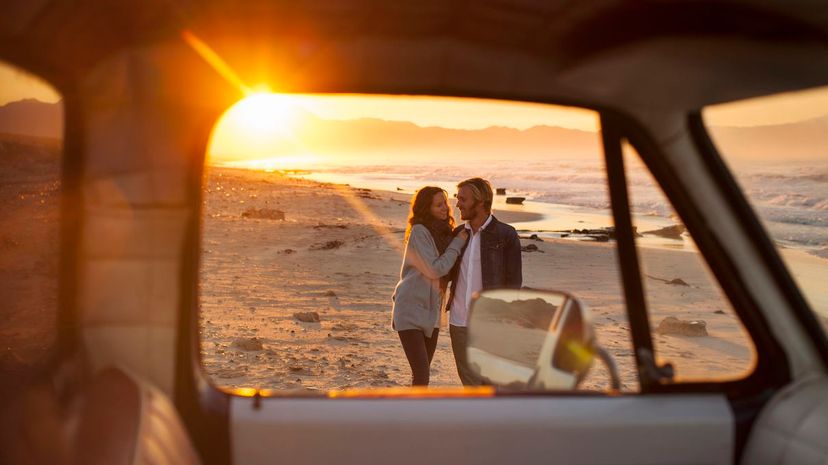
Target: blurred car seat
112	418
791	430
126	421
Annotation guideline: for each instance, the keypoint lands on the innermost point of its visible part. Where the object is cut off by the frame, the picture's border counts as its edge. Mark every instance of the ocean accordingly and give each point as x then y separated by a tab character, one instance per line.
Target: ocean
791	199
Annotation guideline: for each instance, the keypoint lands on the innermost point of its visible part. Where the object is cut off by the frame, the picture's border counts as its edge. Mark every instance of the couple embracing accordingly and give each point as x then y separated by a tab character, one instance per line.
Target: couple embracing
482	254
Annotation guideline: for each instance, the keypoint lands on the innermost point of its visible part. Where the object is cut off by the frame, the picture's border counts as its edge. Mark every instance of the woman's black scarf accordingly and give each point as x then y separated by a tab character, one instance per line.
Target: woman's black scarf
442	234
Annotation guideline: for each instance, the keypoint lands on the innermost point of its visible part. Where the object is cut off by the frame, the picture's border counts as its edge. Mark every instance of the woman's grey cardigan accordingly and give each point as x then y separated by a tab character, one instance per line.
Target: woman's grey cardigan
417	297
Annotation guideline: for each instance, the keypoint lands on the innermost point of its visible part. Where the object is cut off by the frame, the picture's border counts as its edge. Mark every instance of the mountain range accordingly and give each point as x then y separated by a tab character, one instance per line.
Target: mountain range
32	117
377	138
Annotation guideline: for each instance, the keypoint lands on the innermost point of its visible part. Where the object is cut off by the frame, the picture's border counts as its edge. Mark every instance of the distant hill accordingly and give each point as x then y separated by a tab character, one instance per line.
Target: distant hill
380	138
803	140
32	118
377	138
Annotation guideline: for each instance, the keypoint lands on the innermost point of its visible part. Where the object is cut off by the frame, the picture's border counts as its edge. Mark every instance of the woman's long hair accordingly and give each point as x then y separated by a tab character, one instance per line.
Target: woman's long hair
421	214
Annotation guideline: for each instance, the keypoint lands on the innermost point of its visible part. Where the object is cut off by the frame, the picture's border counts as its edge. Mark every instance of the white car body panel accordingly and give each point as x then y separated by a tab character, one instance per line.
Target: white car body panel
656	429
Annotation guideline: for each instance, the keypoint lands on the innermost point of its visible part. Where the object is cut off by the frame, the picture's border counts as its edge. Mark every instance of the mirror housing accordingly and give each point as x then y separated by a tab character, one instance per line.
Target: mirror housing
530	339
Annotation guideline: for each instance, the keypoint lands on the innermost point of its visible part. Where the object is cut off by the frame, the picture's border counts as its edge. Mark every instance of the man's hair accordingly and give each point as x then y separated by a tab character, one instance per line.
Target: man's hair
481	191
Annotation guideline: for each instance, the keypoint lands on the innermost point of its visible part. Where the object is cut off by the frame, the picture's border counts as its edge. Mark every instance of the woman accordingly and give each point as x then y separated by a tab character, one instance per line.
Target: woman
430	253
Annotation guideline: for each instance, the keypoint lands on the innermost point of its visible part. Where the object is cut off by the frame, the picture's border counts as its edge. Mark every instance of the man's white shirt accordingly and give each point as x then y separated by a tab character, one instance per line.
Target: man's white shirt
469	277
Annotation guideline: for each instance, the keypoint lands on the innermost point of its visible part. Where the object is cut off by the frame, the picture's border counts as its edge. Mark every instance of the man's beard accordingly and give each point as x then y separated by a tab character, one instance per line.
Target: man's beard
469	213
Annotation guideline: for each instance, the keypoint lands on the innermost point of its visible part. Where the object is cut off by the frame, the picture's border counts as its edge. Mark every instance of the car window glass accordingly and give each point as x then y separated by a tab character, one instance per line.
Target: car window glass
693	324
777	149
305	207
31	126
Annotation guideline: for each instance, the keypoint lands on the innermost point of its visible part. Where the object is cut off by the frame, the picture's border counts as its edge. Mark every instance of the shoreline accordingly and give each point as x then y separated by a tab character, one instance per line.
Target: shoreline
582	217
534	216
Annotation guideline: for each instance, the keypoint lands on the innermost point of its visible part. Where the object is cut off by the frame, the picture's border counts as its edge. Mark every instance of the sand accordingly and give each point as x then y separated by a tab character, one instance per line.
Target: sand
337	253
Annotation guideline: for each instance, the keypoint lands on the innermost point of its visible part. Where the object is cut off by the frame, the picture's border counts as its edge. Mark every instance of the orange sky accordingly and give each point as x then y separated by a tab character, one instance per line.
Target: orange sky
454	113
16	85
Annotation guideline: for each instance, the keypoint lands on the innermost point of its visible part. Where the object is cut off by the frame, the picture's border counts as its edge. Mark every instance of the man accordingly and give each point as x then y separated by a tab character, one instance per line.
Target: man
490	259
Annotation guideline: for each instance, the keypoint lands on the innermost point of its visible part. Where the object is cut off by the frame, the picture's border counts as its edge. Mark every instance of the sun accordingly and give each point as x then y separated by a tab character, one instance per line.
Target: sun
259	130
263	114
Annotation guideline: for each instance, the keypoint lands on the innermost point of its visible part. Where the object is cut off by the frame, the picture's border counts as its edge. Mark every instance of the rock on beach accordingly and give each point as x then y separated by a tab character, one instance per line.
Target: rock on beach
673	326
249	344
264	214
307	317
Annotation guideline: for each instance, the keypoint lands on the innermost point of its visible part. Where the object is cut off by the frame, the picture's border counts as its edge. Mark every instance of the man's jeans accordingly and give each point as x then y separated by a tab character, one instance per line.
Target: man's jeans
458	346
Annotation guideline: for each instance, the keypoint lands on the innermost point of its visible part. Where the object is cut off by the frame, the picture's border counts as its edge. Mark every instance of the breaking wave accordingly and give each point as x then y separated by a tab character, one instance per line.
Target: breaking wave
791	200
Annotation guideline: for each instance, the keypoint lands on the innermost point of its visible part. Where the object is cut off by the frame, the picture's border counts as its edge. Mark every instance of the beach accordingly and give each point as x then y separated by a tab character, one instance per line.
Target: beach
297	276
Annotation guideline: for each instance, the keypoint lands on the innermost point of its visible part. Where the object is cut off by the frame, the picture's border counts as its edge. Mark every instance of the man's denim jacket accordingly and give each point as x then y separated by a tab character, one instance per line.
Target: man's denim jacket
500	258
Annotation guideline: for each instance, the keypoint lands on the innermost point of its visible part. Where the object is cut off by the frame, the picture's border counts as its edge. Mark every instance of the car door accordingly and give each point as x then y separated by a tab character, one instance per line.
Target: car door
664	419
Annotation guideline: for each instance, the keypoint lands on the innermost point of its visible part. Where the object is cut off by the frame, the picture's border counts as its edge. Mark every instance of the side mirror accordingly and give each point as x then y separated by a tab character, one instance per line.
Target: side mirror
522	338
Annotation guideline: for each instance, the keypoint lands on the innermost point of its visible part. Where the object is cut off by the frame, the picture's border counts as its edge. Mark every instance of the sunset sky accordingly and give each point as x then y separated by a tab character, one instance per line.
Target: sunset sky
16	85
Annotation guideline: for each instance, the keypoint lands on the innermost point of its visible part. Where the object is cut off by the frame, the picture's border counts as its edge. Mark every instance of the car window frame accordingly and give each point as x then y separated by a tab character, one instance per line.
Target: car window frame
204	404
746	395
771	369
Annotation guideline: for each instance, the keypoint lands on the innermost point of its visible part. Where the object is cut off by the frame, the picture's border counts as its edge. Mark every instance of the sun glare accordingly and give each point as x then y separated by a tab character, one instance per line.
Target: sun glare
259	132
264	113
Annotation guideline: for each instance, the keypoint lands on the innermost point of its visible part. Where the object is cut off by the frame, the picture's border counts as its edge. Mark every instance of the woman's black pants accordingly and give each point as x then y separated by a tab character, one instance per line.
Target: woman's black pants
419	350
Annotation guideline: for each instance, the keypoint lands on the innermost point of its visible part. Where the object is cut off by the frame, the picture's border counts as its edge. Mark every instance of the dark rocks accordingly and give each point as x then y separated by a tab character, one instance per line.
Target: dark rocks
330	226
530	248
264	214
307	317
500	191
249	344
673	326
515	200
330	245
670	232
602	234
286	251
329	294
533	237
364	193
